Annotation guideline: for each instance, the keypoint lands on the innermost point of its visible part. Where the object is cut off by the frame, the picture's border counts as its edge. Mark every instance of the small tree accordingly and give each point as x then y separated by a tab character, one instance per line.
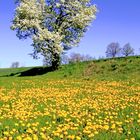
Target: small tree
127	50
53	25
15	65
113	50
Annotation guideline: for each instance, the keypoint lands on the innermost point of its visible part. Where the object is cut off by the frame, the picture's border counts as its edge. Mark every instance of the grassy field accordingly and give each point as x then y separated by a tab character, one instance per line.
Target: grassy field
84	101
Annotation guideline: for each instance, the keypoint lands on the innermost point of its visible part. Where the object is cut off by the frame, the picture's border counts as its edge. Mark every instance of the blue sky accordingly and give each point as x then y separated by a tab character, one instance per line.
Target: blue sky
117	21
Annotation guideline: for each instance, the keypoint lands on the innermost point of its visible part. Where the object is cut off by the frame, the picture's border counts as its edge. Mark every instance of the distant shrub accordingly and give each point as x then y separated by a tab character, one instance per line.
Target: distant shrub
15	65
77	57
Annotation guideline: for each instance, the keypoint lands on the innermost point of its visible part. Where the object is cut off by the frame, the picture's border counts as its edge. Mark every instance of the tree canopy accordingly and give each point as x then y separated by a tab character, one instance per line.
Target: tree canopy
53	25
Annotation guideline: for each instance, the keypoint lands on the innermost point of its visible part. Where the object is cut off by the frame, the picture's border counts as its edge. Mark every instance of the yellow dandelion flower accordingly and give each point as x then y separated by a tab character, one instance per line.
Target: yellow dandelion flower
18	138
113	126
138	121
71	137
78	138
106	127
35	137
132	138
91	135
6	133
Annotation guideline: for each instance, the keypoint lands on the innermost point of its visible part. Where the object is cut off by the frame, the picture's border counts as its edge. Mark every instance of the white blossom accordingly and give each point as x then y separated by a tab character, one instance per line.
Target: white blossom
53	24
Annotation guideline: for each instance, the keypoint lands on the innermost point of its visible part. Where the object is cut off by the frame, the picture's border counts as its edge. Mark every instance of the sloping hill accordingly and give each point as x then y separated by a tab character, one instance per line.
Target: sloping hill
117	68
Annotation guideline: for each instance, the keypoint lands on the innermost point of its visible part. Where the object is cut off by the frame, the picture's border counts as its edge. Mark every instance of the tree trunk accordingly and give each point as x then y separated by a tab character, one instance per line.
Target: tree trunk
55	61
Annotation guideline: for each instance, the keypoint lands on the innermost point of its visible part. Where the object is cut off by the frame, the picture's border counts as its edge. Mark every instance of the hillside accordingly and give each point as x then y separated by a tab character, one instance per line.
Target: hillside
117	68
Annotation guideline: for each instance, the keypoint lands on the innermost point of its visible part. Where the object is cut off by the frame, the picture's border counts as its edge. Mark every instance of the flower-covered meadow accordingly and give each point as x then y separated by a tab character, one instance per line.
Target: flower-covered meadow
37	109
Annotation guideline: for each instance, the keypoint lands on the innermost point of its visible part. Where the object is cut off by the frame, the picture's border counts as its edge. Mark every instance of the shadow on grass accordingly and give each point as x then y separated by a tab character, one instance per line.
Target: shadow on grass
36	71
31	72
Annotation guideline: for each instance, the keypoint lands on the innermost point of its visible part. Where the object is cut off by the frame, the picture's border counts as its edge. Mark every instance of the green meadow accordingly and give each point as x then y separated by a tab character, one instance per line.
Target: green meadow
93	100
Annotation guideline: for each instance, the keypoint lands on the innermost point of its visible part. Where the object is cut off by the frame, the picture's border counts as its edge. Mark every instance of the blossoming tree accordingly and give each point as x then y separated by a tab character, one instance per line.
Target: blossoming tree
53	25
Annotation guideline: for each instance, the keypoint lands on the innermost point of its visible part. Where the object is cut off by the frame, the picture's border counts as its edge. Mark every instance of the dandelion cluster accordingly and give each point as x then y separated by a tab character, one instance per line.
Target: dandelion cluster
70	110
